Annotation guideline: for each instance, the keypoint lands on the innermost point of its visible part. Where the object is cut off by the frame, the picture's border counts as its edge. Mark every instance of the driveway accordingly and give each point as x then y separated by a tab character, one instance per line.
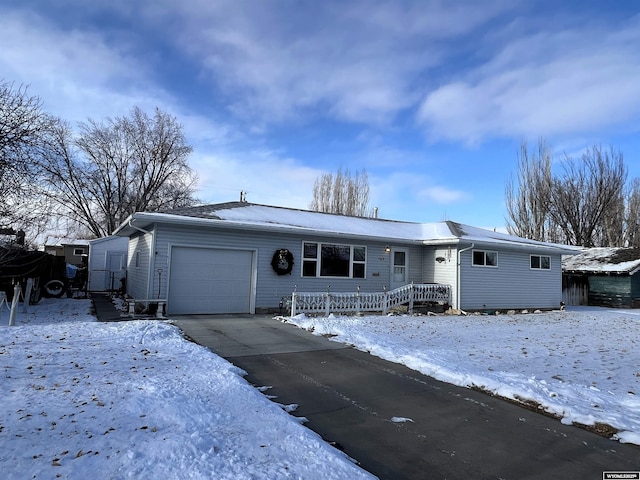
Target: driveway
397	423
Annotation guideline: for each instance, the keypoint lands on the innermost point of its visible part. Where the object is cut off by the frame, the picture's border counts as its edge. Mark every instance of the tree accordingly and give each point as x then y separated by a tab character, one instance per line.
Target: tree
114	168
22	124
527	195
584	204
632	215
342	193
587	196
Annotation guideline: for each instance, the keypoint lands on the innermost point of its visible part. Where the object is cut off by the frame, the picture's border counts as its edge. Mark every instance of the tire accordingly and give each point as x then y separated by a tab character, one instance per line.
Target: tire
53	289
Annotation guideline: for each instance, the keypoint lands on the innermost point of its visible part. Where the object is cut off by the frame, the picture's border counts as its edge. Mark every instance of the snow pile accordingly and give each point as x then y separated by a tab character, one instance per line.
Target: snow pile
134	399
581	365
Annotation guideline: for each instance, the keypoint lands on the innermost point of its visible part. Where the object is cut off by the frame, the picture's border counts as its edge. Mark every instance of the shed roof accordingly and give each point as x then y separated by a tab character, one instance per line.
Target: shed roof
604	260
243	215
51	241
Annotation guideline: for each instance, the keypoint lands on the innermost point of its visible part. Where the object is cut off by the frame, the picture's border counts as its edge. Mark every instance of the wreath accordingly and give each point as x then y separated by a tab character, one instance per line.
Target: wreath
282	261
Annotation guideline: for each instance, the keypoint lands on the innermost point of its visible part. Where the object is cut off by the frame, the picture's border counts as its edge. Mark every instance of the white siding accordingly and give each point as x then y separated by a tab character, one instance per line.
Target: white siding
101	271
440	266
137	275
512	285
270	287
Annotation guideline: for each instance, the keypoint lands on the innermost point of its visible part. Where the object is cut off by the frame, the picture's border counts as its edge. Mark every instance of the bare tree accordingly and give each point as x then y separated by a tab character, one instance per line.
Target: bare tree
632	215
588	190
116	167
584	203
22	122
343	194
527	195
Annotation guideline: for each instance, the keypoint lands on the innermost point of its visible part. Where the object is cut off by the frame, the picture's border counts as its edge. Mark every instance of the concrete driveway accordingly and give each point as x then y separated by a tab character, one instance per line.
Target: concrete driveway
358	401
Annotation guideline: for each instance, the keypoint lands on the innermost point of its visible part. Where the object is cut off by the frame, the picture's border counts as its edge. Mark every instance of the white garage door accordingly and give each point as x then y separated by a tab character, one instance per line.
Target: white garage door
209	280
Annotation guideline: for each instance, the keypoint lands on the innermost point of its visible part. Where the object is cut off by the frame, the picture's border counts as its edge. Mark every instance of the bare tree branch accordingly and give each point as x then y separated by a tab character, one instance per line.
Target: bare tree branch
342	193
116	167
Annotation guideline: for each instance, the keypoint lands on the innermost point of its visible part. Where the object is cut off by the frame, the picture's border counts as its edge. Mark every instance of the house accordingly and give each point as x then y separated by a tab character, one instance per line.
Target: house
603	276
107	263
240	257
72	249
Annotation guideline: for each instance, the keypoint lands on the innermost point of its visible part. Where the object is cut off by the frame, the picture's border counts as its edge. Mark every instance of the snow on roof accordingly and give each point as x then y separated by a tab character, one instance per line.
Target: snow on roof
604	260
62	241
242	214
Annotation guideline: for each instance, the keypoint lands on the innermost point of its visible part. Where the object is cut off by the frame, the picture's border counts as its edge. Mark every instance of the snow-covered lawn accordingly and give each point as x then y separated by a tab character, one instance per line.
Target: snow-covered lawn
582	365
82	399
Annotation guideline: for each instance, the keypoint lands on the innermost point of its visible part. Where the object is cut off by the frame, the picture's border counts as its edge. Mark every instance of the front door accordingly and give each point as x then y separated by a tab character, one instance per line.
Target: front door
399	266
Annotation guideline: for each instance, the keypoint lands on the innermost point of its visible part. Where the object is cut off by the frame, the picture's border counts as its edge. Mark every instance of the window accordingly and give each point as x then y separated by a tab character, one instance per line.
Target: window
540	262
483	258
78	251
137	260
333	260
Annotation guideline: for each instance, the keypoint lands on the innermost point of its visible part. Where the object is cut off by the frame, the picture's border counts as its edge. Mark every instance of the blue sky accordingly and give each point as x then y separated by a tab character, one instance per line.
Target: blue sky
432	98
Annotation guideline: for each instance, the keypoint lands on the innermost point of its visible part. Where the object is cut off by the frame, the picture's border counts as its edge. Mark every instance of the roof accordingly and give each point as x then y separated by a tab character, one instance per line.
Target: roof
62	241
243	215
604	260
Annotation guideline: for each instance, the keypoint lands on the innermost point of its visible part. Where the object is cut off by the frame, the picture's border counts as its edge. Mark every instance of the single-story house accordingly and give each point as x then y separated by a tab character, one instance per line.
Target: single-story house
603	276
74	251
107	263
240	257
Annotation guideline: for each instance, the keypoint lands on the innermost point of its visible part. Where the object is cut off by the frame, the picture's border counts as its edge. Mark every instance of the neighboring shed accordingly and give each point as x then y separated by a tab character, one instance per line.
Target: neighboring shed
107	263
608	276
72	249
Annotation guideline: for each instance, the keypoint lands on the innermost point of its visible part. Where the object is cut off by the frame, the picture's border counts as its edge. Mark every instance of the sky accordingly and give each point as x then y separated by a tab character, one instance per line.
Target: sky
432	98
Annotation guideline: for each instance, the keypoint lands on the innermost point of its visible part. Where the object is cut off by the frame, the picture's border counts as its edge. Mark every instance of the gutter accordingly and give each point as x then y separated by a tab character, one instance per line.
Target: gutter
458	289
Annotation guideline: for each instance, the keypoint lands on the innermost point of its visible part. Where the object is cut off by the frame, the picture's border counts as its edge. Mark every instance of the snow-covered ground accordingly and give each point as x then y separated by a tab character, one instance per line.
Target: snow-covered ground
582	365
134	399
81	399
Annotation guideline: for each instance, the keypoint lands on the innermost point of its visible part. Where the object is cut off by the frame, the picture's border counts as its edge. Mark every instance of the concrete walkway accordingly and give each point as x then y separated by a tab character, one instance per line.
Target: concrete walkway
359	402
105	310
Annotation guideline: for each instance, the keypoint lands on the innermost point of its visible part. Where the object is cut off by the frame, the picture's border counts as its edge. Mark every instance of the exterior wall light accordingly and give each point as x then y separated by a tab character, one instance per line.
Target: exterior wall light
387	249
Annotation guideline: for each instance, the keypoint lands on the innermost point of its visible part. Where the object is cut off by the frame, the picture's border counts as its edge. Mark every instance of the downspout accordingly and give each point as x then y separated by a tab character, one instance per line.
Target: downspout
458	289
151	250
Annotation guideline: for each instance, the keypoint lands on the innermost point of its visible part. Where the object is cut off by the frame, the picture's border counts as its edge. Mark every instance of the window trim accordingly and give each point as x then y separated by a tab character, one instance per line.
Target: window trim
318	259
78	251
484	252
540	267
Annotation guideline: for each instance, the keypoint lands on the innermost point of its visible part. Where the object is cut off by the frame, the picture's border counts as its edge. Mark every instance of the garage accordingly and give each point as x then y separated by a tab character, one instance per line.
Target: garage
210	280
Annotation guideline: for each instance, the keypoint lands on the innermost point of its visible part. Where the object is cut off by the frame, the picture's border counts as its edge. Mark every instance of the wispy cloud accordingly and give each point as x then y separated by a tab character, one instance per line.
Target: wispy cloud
443	195
74	71
355	61
545	84
266	176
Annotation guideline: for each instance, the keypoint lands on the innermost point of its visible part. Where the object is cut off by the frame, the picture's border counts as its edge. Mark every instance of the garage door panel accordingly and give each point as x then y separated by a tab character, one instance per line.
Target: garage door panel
210	280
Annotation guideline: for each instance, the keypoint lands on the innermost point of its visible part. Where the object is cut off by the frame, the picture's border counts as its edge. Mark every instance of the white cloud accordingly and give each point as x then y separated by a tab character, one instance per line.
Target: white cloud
74	71
551	83
266	177
356	61
443	195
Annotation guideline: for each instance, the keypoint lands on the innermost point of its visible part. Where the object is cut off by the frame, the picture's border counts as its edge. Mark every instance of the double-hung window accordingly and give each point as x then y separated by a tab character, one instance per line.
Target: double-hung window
333	260
540	262
484	258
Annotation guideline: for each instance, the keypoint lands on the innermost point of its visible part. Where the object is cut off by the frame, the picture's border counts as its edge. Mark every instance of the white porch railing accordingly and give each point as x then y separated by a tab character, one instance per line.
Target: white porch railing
349	302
